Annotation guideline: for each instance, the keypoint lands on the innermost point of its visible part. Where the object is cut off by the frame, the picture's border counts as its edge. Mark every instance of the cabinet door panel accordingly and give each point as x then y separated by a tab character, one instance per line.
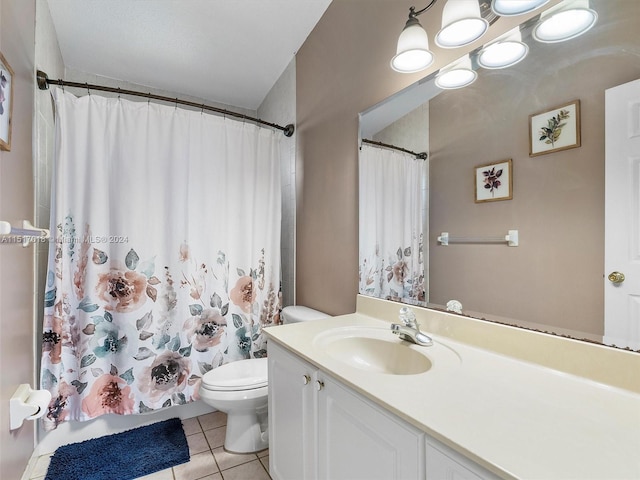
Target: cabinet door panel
444	463
358	440
292	446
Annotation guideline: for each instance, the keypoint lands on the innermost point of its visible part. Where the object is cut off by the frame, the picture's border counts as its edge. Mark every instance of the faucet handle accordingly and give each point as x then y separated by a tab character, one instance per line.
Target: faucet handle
407	317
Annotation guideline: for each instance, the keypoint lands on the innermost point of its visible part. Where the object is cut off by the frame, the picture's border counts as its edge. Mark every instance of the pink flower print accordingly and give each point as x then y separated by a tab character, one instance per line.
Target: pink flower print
168	374
122	291
205	330
109	394
243	294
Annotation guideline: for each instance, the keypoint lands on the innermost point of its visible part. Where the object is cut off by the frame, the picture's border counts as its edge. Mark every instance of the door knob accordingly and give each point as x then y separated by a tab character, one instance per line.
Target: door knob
306	379
616	277
319	384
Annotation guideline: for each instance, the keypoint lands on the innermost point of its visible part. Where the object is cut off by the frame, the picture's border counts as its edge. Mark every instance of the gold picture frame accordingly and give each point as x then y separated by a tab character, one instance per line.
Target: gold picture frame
6	103
494	181
555	130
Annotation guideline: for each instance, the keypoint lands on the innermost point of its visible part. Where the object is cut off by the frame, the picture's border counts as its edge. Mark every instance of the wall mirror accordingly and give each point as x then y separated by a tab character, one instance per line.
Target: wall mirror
556	279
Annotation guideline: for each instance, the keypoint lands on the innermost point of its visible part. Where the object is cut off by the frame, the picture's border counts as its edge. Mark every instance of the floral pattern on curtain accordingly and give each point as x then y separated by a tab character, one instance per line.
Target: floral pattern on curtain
165	261
391	225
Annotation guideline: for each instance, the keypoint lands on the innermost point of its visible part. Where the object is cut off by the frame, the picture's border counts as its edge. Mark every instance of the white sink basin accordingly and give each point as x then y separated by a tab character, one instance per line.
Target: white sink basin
375	349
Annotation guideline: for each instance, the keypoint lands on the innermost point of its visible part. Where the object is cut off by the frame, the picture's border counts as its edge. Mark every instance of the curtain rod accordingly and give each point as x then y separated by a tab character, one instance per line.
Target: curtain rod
419	156
44	81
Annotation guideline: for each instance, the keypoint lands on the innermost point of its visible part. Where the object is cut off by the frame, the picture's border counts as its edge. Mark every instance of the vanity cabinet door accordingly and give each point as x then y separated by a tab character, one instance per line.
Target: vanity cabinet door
320	429
443	463
359	440
292	416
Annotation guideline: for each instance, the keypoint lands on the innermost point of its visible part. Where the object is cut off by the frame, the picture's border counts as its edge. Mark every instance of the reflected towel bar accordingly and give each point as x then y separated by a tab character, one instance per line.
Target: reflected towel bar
511	238
25	235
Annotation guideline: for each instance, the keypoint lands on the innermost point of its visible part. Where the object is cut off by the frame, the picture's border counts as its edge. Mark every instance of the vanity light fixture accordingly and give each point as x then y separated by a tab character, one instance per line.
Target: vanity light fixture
412	53
461	24
565	21
510	8
506	51
459	74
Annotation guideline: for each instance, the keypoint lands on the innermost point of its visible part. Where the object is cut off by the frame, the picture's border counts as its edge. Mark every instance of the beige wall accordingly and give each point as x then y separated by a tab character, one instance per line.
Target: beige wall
555	276
342	69
17	20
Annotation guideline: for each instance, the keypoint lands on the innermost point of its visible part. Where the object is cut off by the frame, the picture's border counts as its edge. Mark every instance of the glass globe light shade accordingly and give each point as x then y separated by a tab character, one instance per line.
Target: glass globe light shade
412	53
568	21
509	8
461	24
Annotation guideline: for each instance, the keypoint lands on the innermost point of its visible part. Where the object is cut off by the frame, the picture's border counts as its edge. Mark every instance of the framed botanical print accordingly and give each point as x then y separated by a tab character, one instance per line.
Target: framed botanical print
493	182
554	130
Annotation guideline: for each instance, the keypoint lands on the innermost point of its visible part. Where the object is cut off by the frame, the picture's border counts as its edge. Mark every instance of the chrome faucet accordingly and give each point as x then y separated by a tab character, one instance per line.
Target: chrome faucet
409	330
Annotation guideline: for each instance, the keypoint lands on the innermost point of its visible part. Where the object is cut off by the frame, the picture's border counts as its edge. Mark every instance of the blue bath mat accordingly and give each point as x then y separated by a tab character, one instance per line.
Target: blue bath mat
122	456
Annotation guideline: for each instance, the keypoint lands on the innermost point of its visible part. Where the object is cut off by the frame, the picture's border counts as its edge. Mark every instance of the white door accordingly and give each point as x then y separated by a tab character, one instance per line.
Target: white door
622	216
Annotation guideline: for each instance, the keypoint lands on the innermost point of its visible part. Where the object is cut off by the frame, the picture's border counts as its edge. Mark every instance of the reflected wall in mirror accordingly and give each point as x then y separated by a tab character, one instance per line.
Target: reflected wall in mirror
554	281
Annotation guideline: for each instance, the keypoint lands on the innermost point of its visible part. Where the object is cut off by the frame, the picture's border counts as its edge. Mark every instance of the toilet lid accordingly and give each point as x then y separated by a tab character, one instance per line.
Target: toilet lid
241	375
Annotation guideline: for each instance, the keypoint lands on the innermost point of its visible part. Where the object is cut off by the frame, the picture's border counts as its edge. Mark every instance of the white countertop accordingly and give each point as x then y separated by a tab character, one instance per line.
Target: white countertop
517	419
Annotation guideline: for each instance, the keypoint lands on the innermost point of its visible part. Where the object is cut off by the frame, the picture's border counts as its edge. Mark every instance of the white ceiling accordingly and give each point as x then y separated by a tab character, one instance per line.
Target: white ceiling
227	51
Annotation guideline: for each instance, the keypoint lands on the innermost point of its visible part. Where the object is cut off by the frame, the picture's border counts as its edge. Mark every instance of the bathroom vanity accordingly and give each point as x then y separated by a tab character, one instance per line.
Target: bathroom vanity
347	401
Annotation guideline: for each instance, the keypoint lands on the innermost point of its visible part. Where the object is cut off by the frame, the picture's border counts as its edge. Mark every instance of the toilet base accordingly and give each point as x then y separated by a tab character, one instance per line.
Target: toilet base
246	432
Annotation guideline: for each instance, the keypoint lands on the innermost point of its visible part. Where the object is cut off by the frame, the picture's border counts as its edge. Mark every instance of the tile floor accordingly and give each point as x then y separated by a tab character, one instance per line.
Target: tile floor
209	461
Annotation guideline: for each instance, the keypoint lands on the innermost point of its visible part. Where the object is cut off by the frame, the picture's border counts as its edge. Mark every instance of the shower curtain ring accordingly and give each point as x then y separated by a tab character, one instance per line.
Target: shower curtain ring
148	99
61	84
176	103
202	110
118	93
88	90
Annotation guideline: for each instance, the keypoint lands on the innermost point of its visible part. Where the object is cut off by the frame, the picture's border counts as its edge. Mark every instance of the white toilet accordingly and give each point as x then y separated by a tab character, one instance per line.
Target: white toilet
298	313
240	390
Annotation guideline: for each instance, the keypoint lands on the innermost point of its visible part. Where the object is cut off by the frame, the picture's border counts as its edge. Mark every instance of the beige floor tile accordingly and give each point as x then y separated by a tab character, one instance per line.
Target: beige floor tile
212	420
41	466
191	426
265	462
166	474
199	466
227	460
215	476
263	453
197	443
215	437
247	471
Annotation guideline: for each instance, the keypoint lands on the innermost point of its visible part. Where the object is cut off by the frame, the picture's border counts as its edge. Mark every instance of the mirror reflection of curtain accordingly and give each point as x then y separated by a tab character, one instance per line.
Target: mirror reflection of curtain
166	255
391	225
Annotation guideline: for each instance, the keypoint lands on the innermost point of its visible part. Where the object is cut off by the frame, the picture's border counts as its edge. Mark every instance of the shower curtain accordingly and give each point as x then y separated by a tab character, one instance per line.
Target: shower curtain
392	205
165	258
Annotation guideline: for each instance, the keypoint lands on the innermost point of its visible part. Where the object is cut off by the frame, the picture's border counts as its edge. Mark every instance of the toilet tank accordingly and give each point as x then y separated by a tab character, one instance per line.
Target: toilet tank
299	313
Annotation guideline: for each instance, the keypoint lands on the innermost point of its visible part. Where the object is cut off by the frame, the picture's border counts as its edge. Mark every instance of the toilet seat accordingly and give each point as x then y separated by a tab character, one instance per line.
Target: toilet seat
242	375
